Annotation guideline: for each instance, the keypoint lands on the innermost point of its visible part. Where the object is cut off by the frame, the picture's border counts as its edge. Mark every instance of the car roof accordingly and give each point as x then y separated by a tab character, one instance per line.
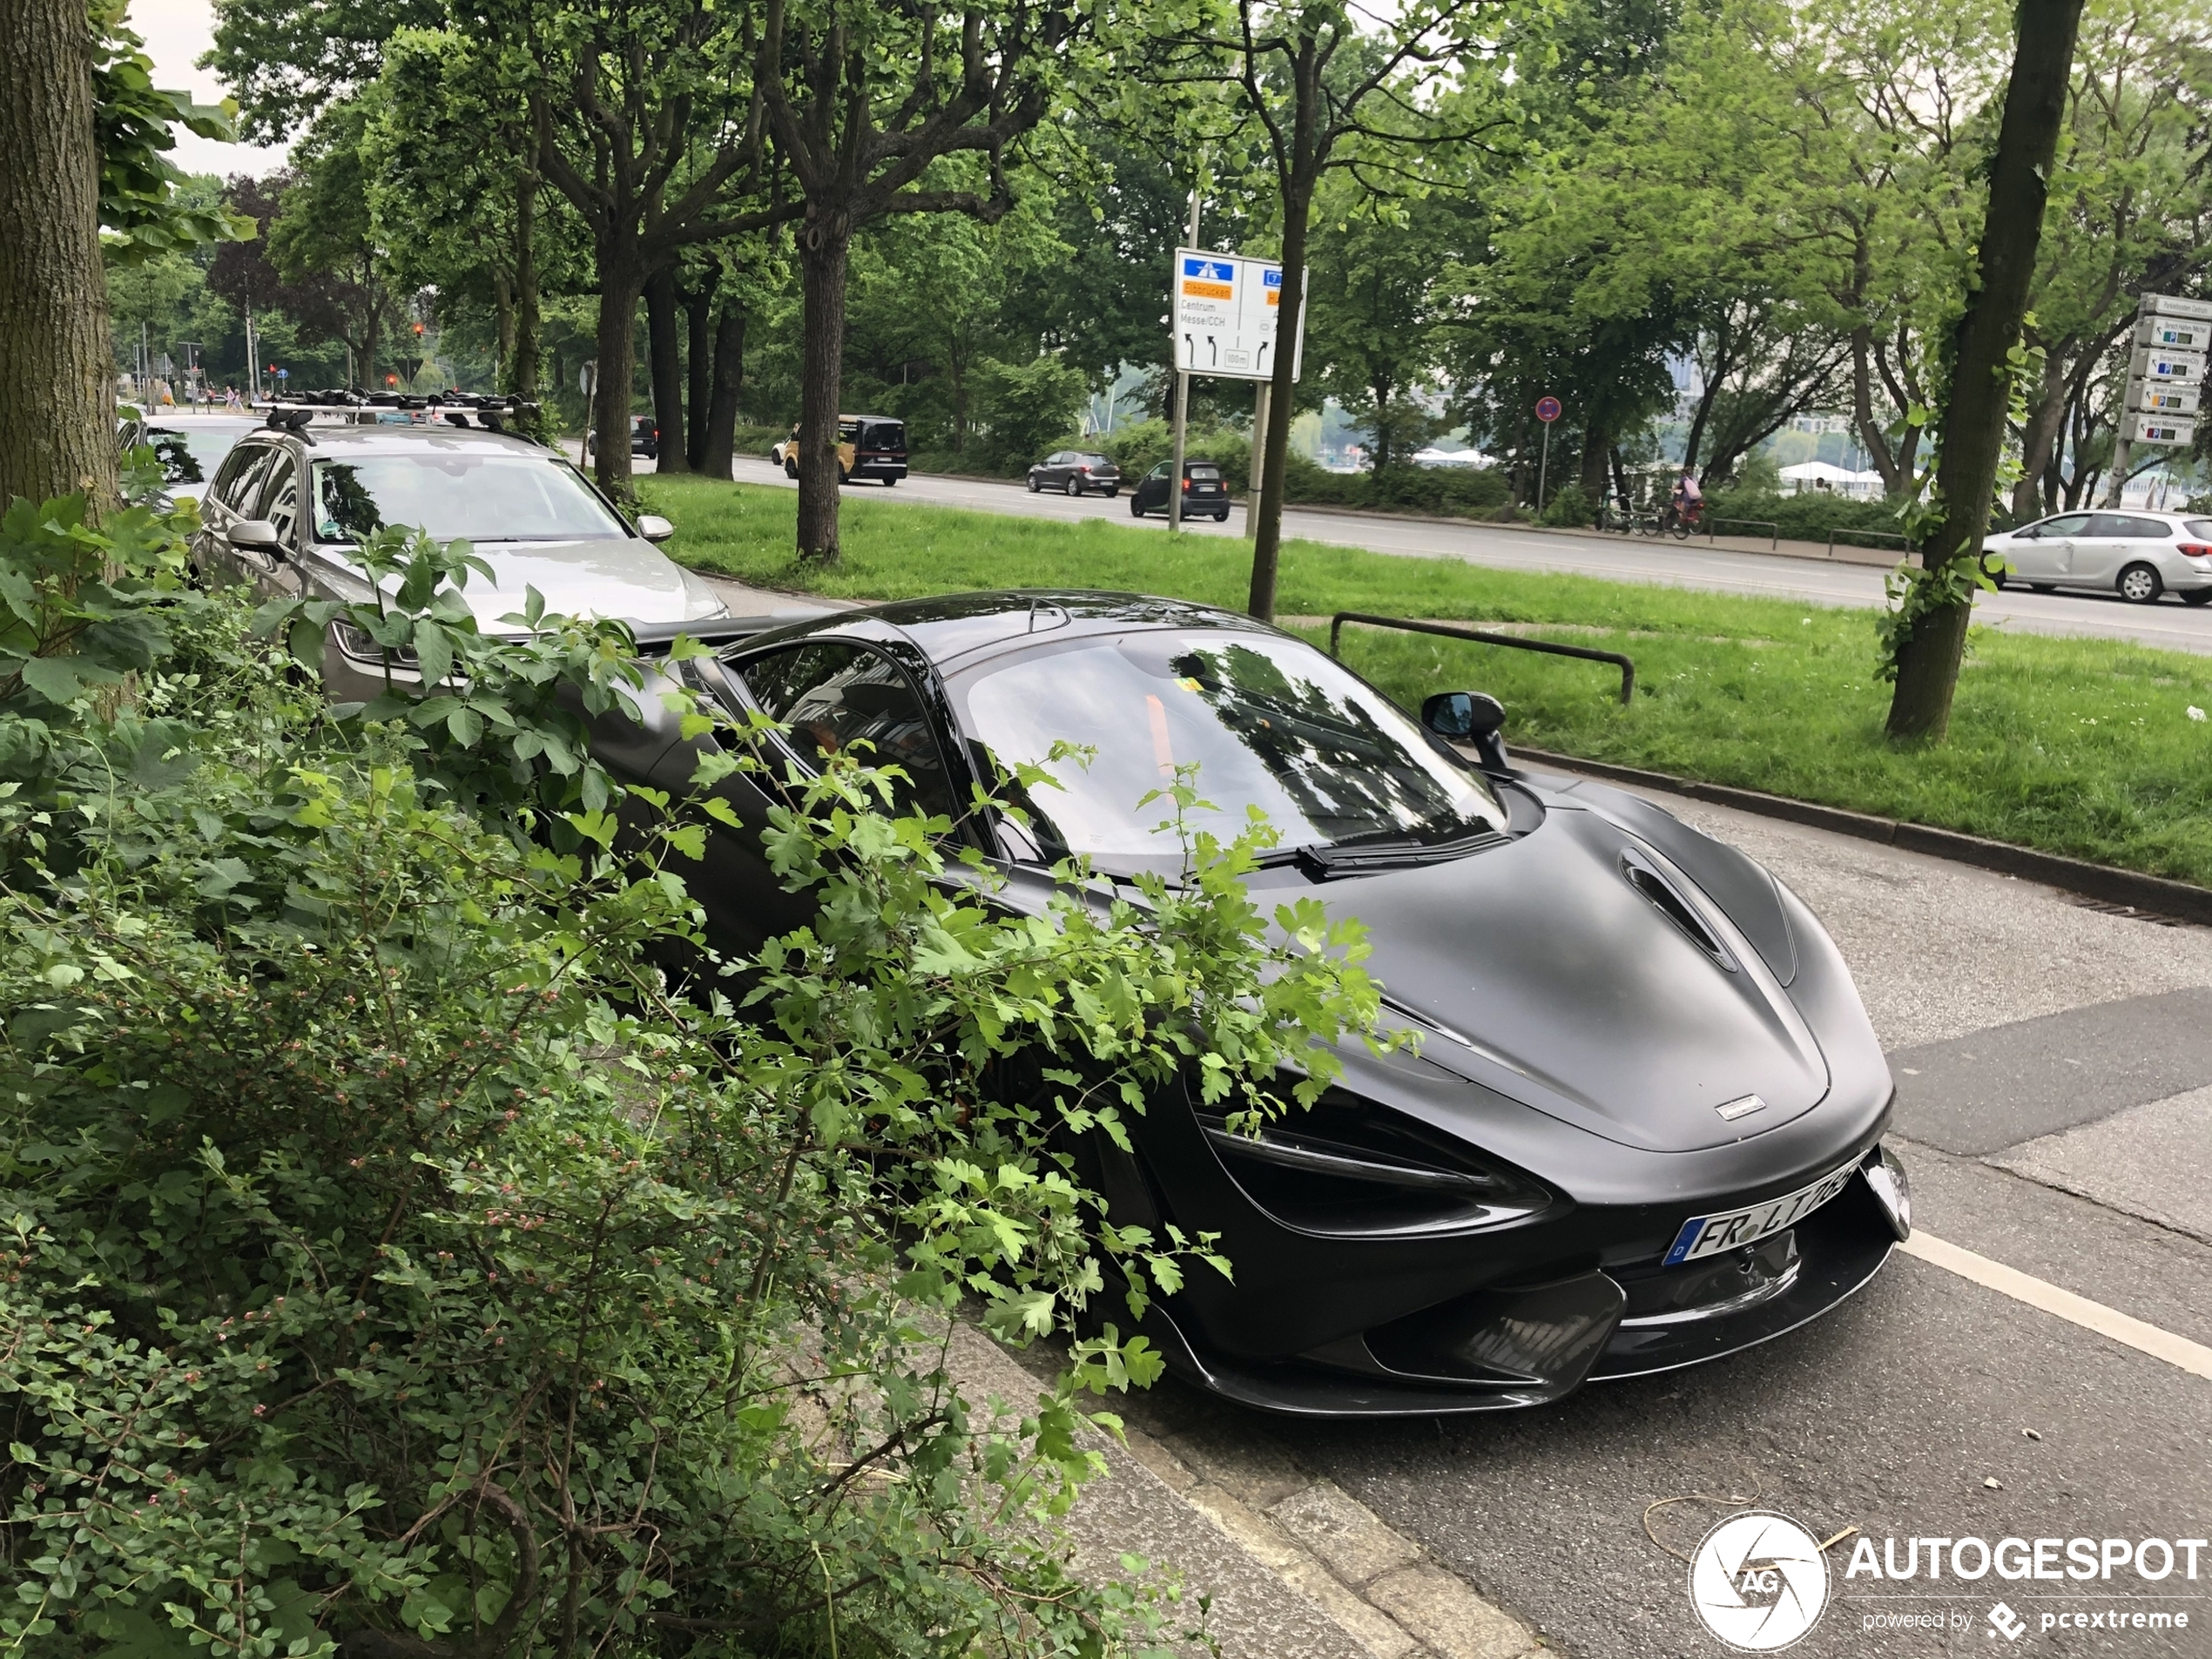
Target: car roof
955	631
345	438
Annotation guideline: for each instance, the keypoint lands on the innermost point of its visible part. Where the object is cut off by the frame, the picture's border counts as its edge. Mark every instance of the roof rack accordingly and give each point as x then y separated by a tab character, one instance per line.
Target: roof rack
346	406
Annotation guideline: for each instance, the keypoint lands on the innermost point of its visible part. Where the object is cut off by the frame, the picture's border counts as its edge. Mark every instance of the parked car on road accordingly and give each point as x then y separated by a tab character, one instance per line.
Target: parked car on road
1642	1127
290	503
1077	472
1205	494
868	446
645	439
2137	555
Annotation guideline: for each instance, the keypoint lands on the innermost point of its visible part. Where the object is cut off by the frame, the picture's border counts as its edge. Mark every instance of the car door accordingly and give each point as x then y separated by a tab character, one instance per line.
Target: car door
2100	550
1052	471
2143	541
2046	557
833	696
230	498
1155	486
276	574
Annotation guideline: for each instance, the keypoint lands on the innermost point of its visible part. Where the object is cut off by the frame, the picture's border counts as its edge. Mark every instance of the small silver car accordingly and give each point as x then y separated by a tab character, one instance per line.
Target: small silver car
2137	555
291	502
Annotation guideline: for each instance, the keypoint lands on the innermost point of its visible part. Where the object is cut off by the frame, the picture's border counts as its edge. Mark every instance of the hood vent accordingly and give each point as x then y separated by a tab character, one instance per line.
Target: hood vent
1644	876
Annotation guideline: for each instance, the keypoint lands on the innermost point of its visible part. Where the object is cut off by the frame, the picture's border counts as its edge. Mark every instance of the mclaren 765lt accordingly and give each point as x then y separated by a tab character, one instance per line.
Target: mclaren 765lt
1641	1127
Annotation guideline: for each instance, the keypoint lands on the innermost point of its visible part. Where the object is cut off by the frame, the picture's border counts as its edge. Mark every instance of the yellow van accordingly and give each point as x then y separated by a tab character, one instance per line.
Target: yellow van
868	446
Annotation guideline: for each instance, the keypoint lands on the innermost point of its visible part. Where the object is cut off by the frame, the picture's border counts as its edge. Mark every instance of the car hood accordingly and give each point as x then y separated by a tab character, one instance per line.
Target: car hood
605	577
1545	976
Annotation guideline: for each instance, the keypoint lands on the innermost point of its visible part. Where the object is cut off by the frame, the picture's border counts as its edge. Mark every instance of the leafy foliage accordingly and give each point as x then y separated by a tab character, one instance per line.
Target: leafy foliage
140	215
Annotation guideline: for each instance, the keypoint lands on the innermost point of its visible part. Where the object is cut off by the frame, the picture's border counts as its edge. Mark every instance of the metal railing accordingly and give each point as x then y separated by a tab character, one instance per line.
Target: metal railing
1774	531
1905	541
1512	642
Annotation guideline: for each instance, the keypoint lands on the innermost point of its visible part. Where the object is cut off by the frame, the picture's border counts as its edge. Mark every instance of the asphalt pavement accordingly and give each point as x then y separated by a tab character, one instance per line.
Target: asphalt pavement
2056	1114
1687	564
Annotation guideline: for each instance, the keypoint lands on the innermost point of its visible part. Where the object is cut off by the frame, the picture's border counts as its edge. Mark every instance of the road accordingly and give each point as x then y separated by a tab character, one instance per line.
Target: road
2168	624
2055	1071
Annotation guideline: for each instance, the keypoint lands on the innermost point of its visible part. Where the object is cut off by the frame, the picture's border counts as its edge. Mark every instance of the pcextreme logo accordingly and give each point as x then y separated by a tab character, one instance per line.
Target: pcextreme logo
1759	1581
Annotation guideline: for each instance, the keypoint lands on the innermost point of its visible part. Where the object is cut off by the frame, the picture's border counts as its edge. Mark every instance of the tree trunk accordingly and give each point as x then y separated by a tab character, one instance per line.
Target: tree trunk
522	378
1385	436
1596	442
699	367
1282	402
825	244
2046	419
1871	438
57	360
718	450
619	286
666	347
502	307
1974	424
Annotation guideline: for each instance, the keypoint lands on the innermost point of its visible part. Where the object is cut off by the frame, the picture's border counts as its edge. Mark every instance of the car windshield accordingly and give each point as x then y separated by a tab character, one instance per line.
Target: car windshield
1269	723
1094	461
479	497
1208	473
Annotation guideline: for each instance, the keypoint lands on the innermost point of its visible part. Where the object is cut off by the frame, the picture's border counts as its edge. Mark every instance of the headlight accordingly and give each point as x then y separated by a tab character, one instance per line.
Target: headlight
1353	1168
357	647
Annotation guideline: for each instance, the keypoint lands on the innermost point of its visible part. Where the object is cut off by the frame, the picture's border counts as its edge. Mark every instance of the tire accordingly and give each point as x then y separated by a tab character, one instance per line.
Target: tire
1033	483
2197	597
2042	587
1075	487
843	478
1134	509
1112	490
891	483
791	470
1221	518
2140	584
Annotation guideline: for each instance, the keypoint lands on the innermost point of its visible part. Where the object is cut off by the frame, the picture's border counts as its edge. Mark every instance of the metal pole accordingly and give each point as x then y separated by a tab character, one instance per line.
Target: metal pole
1182	379
2122	458
1258	470
1543	466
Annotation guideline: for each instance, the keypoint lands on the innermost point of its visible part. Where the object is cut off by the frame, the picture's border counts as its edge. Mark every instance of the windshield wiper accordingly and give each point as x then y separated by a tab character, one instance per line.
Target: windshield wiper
1357	858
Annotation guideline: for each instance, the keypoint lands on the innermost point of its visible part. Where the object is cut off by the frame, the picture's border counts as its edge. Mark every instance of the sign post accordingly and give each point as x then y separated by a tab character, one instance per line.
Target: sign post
1196	284
1226	308
2165	380
1547	412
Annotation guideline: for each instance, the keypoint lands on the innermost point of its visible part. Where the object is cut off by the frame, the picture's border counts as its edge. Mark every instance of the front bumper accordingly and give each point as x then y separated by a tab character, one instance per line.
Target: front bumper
1505	1348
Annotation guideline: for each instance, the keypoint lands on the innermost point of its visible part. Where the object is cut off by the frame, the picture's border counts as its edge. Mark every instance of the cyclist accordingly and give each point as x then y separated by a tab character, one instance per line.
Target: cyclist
1688	500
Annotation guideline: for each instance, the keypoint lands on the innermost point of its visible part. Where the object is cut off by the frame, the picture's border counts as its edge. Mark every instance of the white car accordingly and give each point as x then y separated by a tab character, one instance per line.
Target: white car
2137	555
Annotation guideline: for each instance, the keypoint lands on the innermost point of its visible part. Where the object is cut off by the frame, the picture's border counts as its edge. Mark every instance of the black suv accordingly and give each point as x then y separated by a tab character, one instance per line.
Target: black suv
645	438
1077	472
1205	494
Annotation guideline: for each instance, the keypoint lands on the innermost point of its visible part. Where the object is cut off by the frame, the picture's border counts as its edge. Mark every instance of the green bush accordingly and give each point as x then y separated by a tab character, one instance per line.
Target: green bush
1809	517
396	1259
1019	406
1569	509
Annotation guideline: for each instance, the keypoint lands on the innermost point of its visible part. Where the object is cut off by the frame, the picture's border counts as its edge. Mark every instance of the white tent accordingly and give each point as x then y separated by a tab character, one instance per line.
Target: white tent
1451	458
1810	475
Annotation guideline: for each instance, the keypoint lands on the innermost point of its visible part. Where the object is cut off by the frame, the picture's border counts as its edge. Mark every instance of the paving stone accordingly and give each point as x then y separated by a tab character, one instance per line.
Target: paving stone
1164	1463
1231	1455
1451	1619
1265	1542
1343	1532
1374	1630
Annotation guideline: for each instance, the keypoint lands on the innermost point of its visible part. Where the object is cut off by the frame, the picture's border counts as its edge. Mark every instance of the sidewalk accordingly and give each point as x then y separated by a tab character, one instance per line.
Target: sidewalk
1292	1564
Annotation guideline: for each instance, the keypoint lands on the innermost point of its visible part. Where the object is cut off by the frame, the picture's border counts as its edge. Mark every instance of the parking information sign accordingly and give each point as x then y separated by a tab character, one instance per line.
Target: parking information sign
2166	375
1226	307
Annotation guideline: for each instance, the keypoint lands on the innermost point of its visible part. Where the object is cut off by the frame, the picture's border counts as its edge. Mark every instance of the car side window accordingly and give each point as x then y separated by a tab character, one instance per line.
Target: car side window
1160	471
832	697
2146	530
280	497
240	483
2072	524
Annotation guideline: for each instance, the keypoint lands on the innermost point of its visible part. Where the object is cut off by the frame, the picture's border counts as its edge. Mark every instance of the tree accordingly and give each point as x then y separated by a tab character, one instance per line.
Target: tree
84	134
1985	355
1325	86
325	234
285	60
867	104
648	124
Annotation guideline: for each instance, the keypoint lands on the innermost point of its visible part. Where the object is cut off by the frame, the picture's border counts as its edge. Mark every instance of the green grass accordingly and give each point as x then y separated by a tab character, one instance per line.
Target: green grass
2077	746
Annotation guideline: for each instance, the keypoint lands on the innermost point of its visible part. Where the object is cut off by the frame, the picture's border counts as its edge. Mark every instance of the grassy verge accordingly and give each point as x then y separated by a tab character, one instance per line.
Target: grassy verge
2078	746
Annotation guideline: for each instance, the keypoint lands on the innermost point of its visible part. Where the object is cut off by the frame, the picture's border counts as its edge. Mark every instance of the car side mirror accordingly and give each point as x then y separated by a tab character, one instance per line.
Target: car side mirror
1473	718
257	535
654	528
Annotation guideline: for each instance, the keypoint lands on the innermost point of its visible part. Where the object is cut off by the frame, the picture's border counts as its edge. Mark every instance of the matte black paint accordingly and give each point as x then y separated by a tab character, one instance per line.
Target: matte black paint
1578	1028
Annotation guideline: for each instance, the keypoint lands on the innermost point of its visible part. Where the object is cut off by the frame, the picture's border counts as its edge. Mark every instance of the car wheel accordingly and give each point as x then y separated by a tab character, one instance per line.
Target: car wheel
1112	490
2043	587
1135	508
1075	487
889	482
2138	585
791	469
1221	518
1033	483
2197	597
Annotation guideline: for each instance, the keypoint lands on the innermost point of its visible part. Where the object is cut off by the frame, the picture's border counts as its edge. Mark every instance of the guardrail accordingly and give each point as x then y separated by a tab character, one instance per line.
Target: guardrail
1511	641
1774	531
1905	541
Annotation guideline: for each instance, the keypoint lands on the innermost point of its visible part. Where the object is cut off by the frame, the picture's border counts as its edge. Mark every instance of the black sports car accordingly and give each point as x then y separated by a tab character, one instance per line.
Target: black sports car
1643	1126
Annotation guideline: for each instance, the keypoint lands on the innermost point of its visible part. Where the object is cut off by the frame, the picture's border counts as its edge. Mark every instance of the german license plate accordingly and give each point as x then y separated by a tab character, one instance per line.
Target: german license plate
1703	1236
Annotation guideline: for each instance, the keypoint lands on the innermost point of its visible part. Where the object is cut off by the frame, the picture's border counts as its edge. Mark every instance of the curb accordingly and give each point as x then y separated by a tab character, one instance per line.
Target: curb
1293	1563
2154	895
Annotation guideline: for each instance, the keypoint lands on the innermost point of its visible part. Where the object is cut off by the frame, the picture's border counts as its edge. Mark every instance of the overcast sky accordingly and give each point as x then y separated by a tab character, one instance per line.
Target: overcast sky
177	32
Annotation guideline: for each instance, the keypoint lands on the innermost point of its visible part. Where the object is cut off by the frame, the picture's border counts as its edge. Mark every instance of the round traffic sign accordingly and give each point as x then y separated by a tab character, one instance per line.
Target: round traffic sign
1548	409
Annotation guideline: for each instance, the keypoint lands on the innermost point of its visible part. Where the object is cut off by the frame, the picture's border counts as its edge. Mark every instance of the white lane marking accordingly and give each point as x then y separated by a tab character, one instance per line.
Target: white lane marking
2192	1357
